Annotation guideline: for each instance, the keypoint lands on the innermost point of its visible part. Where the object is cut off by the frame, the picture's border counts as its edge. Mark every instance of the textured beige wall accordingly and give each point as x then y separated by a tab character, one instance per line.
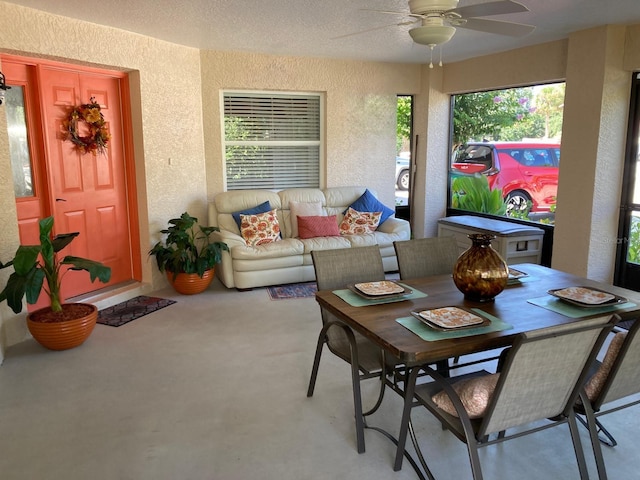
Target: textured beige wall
593	146
526	66
360	100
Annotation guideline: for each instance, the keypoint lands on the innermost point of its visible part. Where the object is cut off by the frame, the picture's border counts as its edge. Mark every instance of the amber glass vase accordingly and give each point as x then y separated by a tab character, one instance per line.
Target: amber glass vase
480	272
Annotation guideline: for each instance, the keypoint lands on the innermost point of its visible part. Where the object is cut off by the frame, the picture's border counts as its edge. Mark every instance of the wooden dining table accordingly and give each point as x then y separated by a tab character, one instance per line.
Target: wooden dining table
523	306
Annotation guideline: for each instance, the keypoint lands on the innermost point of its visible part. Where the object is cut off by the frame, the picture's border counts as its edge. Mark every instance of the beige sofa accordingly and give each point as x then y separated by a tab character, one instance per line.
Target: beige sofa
289	260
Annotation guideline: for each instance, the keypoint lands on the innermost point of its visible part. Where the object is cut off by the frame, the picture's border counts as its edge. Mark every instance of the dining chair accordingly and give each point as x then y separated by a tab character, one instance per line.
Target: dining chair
423	257
616	378
541	378
336	269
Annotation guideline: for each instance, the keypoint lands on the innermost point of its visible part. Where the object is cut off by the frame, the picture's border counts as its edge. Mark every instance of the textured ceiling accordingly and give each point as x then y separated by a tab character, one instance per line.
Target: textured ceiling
317	27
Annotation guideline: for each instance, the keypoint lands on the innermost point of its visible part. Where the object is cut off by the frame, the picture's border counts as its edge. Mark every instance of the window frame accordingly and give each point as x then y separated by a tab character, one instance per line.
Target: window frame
317	181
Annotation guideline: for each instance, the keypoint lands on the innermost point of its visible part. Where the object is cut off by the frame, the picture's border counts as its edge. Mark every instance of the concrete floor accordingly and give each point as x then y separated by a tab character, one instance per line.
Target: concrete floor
214	387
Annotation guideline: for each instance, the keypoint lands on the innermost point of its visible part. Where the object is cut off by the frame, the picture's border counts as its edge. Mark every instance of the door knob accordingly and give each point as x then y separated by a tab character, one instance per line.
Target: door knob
60	200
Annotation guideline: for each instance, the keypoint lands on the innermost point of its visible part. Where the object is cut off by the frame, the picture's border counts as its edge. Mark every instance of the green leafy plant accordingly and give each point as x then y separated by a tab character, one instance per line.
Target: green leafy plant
633	249
473	193
34	263
186	250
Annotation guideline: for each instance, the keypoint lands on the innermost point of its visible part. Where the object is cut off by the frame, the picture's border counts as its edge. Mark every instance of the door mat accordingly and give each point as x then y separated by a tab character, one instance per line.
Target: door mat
293	290
134	308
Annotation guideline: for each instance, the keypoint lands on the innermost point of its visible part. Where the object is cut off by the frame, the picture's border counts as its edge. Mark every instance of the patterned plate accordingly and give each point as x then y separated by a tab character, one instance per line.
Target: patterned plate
586	296
449	318
385	287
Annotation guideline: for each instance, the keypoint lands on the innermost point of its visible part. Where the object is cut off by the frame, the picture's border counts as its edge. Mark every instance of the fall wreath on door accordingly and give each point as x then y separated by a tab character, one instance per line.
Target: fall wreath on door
95	126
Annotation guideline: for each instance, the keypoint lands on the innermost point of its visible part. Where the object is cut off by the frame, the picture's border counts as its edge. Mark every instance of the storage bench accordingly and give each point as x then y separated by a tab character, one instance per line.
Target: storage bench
516	243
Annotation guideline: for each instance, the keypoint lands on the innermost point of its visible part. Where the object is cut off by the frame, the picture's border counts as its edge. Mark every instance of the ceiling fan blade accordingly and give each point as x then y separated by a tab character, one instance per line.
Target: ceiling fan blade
401	24
495	26
499	7
387	12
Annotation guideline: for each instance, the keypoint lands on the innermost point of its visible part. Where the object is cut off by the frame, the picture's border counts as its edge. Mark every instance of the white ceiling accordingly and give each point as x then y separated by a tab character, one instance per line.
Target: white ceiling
310	27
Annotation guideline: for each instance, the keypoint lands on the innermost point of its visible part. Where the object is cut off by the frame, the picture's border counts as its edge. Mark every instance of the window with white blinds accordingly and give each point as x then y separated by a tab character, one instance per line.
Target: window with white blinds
272	141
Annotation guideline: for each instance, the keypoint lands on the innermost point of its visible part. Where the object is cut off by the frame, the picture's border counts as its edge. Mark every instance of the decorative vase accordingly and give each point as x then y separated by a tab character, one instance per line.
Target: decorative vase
190	283
62	330
480	272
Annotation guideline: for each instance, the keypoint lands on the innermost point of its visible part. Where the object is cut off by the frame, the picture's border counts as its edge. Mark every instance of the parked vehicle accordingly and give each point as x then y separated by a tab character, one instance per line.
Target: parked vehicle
402	173
525	171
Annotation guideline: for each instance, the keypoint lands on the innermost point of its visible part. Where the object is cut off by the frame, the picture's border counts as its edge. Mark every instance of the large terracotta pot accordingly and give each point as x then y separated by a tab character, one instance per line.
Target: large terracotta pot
63	330
190	283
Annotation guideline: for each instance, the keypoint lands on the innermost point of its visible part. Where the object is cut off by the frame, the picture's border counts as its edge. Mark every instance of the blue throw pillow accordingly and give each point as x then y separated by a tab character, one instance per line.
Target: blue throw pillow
262	208
369	203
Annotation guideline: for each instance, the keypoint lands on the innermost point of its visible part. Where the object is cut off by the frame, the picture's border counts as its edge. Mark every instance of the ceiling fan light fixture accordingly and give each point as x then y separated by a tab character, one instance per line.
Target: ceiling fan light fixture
432	35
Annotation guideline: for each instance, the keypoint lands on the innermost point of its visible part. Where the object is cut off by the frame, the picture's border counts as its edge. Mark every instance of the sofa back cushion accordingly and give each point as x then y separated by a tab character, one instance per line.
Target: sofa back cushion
227	203
299	196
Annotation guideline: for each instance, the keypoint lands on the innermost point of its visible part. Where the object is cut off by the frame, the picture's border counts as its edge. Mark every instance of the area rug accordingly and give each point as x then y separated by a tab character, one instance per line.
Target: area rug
293	290
132	309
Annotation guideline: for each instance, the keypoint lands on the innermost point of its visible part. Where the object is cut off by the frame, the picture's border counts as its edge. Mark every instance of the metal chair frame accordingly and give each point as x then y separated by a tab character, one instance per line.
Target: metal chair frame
622	381
475	433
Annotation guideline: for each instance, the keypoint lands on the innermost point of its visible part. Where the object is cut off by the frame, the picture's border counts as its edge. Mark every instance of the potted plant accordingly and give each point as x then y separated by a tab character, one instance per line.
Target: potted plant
188	256
61	325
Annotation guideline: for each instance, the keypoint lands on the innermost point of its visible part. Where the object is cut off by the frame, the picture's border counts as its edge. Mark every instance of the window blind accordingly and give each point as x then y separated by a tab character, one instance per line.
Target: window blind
272	141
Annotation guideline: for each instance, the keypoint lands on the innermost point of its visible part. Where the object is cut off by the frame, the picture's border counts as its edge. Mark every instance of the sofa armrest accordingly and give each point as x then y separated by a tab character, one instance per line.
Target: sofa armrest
230	238
397	226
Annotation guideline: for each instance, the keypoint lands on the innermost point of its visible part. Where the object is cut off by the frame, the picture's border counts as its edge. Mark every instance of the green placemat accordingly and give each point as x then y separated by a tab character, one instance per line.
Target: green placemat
431	335
556	305
356	300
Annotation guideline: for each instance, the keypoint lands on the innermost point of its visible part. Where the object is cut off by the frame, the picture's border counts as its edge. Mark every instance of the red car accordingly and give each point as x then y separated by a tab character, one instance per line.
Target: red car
525	171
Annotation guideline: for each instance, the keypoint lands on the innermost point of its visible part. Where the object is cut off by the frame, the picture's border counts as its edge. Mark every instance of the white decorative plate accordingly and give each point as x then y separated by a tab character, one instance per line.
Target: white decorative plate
586	296
384	287
450	317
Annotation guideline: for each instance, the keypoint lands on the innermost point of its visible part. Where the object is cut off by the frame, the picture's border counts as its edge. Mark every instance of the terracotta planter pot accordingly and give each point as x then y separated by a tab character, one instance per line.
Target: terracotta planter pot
190	283
61	331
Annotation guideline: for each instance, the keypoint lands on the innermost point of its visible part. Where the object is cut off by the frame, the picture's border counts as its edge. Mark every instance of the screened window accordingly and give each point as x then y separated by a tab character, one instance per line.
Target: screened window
272	141
506	152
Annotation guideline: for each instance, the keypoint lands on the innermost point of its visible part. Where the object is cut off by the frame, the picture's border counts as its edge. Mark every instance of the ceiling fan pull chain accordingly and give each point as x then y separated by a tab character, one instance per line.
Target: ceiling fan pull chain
431	60
440	63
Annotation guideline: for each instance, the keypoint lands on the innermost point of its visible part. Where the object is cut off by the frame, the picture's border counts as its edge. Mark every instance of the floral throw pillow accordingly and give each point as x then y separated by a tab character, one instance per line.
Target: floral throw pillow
260	228
359	223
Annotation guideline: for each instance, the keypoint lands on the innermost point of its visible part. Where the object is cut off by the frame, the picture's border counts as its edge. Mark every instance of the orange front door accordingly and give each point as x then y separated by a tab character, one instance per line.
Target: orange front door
88	191
85	193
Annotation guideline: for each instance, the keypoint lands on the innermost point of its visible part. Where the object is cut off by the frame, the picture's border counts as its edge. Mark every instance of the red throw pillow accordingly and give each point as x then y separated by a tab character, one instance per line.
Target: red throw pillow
323	226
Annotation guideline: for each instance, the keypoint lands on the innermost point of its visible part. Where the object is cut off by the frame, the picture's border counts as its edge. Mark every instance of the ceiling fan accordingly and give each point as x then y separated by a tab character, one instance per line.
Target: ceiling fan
440	18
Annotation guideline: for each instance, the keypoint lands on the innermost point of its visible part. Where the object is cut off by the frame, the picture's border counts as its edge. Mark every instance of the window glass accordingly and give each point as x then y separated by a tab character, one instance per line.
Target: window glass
507	140
18	143
272	141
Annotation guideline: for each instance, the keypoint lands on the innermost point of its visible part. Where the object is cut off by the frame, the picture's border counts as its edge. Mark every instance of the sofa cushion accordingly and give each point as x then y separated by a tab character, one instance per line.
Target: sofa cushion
359	223
318	226
324	243
260	228
302	209
262	208
286	247
369	203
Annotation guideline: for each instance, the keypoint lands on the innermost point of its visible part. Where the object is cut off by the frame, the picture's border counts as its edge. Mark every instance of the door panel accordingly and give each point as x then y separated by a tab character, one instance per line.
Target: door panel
83	192
89	191
29	206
